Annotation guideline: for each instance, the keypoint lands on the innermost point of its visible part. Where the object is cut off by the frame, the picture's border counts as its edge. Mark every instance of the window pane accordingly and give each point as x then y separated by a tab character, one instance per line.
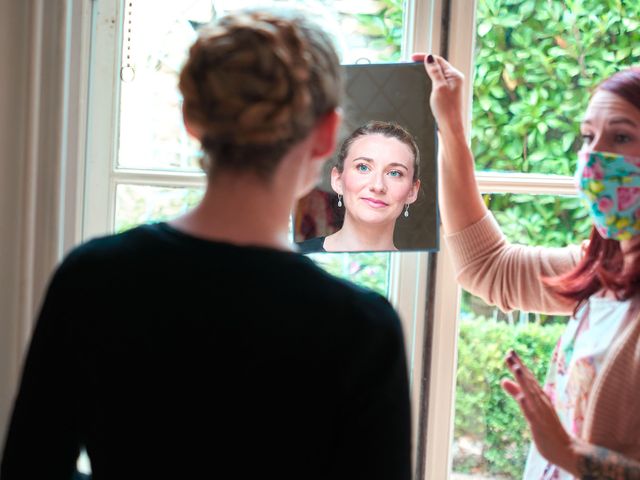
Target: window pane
535	63
156	36
491	439
151	132
369	270
136	204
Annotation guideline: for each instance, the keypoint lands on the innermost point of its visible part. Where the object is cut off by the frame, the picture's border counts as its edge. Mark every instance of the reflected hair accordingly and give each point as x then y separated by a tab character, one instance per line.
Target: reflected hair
602	264
255	83
387	129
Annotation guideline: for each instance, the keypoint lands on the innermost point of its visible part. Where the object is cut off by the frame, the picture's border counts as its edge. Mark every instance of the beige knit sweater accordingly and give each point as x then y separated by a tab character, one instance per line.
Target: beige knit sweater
508	276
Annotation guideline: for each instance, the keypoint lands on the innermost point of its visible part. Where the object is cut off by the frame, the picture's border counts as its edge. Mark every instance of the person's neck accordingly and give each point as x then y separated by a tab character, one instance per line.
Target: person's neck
241	209
358	236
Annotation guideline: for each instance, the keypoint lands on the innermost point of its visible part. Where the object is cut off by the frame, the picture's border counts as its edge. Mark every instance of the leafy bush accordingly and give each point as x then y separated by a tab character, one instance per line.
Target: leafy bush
384	28
537	62
370	270
485	415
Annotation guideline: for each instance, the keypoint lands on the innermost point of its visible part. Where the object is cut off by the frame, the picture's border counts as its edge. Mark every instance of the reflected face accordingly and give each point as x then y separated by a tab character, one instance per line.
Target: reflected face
611	124
377	179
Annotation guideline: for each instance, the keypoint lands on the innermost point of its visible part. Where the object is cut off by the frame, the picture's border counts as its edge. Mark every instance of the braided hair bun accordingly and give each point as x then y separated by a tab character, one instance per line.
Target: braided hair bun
255	83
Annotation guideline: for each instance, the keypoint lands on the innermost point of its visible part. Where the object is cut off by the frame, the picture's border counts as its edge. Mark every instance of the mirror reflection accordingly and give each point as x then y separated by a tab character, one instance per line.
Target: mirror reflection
379	191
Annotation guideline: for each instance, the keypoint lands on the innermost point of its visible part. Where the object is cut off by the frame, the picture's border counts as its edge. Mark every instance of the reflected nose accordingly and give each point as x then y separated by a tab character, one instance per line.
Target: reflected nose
377	184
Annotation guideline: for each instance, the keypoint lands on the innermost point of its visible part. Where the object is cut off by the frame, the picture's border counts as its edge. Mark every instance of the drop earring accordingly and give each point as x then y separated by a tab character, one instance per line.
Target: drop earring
339	200
406	210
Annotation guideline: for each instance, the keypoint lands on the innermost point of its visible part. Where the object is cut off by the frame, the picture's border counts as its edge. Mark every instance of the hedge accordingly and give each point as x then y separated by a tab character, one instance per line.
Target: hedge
484	413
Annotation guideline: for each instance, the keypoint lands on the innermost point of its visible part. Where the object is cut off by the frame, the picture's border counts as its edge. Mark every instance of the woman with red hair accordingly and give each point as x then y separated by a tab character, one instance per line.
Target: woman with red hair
585	421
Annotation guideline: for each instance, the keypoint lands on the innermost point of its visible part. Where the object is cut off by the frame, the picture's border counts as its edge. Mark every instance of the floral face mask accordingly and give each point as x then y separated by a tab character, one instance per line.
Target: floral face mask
610	185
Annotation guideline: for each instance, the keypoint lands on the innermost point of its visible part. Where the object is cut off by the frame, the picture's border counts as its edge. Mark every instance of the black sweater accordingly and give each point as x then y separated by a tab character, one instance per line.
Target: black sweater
169	355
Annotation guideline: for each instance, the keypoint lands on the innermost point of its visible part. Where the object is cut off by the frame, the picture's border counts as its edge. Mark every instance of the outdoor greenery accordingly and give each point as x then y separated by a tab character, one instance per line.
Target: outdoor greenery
384	28
537	62
370	270
137	204
485	415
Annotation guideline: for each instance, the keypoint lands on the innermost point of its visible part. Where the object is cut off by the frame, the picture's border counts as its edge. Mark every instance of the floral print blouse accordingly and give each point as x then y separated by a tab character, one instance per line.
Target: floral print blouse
575	363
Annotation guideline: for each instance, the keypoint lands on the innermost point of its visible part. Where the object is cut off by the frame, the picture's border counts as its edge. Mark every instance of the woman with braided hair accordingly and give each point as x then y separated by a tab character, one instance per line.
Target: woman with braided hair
206	346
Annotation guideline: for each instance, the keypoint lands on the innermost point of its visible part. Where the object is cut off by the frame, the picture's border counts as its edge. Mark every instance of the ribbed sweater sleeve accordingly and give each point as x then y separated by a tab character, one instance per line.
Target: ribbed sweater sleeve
507	275
612	420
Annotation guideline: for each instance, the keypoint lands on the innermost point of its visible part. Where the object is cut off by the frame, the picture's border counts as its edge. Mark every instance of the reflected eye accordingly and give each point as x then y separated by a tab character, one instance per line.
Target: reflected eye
362	167
395	173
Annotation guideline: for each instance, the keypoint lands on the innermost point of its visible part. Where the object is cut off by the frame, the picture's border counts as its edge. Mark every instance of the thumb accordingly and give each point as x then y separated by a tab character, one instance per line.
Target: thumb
511	387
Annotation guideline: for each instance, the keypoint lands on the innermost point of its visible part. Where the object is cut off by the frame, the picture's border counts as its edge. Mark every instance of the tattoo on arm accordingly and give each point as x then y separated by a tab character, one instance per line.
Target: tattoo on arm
597	463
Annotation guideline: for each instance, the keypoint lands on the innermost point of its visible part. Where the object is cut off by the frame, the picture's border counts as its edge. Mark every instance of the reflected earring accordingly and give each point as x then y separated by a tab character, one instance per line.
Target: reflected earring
339	200
406	210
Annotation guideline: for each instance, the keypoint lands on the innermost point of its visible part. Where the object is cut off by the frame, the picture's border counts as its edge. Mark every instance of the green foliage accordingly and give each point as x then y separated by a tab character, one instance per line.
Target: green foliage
484	413
369	270
143	204
536	63
558	221
384	28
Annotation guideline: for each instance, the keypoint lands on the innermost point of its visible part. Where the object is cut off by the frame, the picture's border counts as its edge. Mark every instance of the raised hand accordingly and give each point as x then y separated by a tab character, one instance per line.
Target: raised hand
447	91
551	439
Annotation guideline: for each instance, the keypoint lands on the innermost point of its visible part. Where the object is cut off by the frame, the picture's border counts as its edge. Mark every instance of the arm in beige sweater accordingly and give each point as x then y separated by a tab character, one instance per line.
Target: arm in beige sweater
487	265
506	275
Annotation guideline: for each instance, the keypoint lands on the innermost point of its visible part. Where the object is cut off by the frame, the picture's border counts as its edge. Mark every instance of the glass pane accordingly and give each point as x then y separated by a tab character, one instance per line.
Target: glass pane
151	133
491	439
369	270
535	63
136	204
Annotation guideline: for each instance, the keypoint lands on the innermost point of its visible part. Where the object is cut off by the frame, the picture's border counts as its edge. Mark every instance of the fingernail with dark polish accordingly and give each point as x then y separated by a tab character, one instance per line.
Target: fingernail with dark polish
518	371
429	58
510	361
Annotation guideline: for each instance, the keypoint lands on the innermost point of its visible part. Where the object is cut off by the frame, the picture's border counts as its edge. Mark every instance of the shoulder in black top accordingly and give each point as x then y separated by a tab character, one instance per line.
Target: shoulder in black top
312	245
170	355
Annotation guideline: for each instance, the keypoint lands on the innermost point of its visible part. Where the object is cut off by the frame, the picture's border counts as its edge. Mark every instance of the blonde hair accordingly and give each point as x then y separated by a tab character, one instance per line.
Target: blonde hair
255	83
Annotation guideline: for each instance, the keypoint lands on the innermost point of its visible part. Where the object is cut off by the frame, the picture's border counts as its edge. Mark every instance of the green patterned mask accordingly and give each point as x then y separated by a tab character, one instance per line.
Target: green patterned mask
610	185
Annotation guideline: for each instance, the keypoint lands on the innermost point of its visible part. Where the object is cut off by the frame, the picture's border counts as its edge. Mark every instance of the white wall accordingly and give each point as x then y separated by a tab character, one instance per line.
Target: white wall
13	105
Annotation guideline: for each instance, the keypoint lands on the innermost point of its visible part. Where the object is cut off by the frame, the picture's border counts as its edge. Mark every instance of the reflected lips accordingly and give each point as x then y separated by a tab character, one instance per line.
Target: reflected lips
374	203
